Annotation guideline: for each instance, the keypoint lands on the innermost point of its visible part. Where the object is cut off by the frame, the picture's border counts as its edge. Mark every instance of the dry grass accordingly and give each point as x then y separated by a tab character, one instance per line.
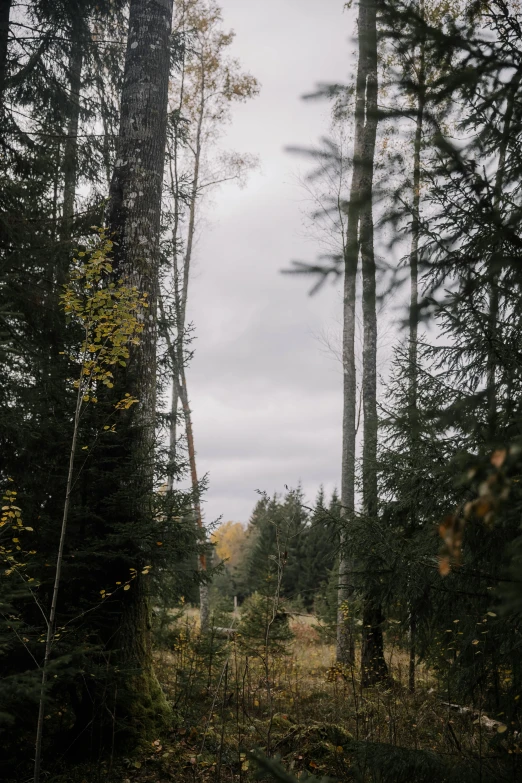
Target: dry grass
299	705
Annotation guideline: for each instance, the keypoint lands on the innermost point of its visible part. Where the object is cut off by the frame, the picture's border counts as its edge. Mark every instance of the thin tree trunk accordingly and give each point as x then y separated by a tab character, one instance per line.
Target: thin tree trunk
413	325
175	192
106	131
173	434
204	608
135	222
5	10
345	651
373	665
193	200
51	622
181	295
70	153
362	173
494	268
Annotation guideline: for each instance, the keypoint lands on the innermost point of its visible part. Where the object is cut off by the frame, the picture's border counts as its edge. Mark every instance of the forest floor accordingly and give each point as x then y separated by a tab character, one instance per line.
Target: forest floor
230	698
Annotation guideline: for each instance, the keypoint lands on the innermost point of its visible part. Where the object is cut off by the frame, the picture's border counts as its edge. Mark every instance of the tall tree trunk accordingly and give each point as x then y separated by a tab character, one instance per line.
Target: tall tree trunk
5	10
181	284
173	433
204	607
345	651
175	193
495	266
359	223
373	665
135	221
70	153
414	324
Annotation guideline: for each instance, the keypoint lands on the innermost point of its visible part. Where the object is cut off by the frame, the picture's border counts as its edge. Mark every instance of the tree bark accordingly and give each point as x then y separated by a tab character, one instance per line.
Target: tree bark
359	223
345	651
204	607
5	10
373	665
135	221
179	381
70	153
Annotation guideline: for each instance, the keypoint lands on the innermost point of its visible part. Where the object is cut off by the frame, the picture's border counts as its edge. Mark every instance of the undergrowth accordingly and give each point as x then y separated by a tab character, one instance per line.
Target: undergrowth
245	709
234	699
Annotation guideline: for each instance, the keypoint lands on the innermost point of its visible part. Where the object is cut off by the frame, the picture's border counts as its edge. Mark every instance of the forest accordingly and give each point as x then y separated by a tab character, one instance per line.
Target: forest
371	633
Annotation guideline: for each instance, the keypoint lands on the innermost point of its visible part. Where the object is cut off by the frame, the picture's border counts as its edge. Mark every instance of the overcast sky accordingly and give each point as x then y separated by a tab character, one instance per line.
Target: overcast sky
266	396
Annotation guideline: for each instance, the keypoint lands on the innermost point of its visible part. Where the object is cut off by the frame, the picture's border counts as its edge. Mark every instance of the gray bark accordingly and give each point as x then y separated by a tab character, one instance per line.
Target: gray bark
373	664
5	10
134	220
70	153
345	651
179	379
173	435
359	239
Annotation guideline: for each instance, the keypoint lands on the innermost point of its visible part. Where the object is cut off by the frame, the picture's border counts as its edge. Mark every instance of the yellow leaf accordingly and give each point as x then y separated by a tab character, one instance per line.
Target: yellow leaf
127	587
475	641
498	457
502	728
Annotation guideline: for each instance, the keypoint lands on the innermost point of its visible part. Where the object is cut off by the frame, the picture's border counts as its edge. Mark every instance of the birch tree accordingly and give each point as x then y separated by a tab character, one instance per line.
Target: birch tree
359	240
208	84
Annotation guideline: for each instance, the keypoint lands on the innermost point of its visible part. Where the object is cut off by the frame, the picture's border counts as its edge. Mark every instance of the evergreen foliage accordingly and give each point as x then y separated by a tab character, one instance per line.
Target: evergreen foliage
290	547
434	545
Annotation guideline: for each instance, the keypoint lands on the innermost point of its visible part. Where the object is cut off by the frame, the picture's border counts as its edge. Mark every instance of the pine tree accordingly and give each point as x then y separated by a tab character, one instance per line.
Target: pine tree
464	408
320	548
135	221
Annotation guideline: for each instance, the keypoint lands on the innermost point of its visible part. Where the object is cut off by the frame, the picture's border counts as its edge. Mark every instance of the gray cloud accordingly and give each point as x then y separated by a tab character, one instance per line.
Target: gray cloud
266	398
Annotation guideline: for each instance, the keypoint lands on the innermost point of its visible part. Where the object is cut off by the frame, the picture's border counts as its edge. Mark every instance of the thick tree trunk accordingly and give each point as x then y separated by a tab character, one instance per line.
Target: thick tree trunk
5	10
134	220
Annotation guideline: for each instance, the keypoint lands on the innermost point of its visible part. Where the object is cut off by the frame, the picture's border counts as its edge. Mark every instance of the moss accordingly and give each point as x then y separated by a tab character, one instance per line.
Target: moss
144	710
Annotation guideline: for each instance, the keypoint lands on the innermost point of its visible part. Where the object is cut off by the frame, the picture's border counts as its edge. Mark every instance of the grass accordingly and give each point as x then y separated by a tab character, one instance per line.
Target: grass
230	697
